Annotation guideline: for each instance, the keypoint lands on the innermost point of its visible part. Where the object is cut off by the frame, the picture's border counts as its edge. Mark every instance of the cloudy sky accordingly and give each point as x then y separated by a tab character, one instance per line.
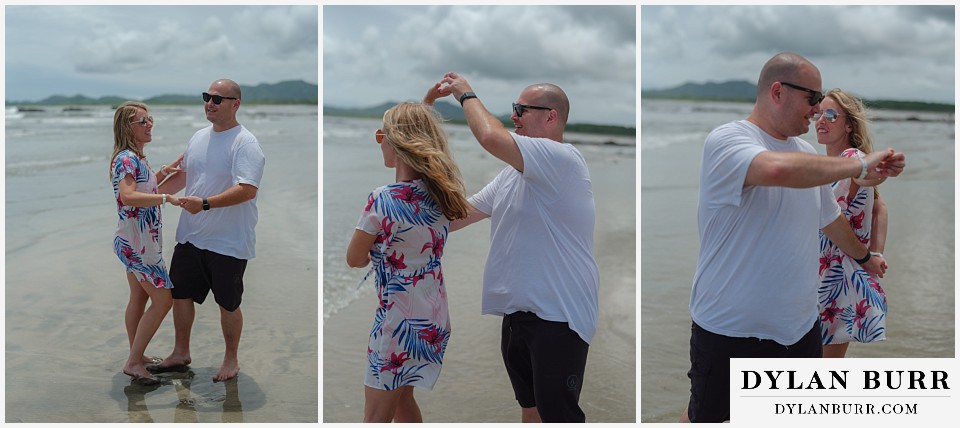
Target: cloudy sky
878	52
375	54
142	51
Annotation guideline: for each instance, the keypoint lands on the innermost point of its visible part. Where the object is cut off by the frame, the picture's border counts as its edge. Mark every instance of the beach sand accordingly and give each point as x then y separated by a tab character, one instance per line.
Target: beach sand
473	386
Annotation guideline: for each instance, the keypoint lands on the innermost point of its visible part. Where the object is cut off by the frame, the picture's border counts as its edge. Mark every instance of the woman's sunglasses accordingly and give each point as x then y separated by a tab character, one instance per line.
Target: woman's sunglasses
830	115
380	136
144	120
519	108
217	99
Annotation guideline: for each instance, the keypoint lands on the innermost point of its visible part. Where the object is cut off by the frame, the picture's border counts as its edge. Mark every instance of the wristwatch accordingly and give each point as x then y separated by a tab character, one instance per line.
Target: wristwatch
206	205
466	96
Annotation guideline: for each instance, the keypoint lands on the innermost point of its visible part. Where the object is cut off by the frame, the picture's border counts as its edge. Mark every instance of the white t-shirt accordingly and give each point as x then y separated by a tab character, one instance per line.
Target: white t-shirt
757	271
541	237
214	162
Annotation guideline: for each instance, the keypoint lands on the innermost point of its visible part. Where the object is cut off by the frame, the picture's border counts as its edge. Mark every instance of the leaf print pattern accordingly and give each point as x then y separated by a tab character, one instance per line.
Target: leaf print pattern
853	305
137	241
411	325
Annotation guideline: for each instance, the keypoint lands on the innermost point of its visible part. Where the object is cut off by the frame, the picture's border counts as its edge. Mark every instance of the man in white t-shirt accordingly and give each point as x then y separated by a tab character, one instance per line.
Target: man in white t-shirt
221	171
764	193
540	274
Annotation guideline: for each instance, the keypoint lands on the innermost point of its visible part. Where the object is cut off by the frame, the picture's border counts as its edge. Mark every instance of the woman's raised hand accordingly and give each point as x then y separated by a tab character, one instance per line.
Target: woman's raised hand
175	166
434	93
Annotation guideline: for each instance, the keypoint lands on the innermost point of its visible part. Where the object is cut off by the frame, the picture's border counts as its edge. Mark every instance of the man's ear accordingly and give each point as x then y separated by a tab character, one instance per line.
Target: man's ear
553	115
776	92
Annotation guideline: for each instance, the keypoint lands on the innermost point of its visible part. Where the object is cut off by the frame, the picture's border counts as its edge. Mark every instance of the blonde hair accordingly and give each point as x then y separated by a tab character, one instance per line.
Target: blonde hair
856	114
416	134
123	130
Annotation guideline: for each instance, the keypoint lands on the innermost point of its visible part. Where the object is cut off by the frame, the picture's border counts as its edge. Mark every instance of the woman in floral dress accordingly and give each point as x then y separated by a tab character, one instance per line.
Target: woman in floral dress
402	231
138	241
853	306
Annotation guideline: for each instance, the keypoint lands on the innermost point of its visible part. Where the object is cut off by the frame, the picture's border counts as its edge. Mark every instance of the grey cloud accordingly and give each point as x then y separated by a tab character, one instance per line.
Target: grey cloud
375	54
513	42
854	31
288	30
924	13
619	21
284	34
110	52
884	51
360	57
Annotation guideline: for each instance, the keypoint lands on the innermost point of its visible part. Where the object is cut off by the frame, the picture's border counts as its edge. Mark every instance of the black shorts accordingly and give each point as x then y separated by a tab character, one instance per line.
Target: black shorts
709	374
545	361
196	272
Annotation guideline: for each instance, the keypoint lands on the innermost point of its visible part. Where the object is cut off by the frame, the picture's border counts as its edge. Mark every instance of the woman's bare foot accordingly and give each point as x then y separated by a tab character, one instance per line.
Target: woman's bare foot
138	373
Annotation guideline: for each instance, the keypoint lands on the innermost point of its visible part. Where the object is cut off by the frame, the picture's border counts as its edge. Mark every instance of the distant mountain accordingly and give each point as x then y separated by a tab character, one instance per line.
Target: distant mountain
454	113
449	111
741	90
288	92
734	90
75	100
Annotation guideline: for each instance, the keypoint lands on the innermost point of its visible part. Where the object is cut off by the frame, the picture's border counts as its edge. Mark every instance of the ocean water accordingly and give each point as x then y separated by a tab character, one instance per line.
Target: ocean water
920	244
65	290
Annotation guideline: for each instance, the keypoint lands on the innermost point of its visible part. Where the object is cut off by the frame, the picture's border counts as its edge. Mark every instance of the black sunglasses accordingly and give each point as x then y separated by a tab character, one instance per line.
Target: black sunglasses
217	99
815	96
519	108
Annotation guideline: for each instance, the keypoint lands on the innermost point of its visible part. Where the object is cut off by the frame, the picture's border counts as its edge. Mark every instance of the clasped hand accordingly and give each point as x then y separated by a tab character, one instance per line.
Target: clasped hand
877	265
884	163
193	204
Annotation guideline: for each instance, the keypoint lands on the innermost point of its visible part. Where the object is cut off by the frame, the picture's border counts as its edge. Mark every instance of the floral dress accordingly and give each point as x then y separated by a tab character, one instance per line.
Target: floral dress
138	242
853	306
411	325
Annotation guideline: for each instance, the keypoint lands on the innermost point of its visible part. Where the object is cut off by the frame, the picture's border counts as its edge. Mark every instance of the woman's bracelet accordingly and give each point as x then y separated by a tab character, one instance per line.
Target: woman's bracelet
863	169
162	167
163	200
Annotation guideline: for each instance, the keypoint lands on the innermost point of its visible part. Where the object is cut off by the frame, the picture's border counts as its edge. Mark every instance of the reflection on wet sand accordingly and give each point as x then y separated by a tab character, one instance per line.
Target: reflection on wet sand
189	404
137	403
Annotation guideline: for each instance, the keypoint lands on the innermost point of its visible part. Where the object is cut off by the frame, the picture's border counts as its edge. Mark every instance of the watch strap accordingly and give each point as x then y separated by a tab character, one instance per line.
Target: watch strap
467	96
864	259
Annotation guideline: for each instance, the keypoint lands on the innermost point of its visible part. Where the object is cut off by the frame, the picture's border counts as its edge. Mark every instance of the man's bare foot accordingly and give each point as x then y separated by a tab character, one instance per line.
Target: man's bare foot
173	363
228	370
